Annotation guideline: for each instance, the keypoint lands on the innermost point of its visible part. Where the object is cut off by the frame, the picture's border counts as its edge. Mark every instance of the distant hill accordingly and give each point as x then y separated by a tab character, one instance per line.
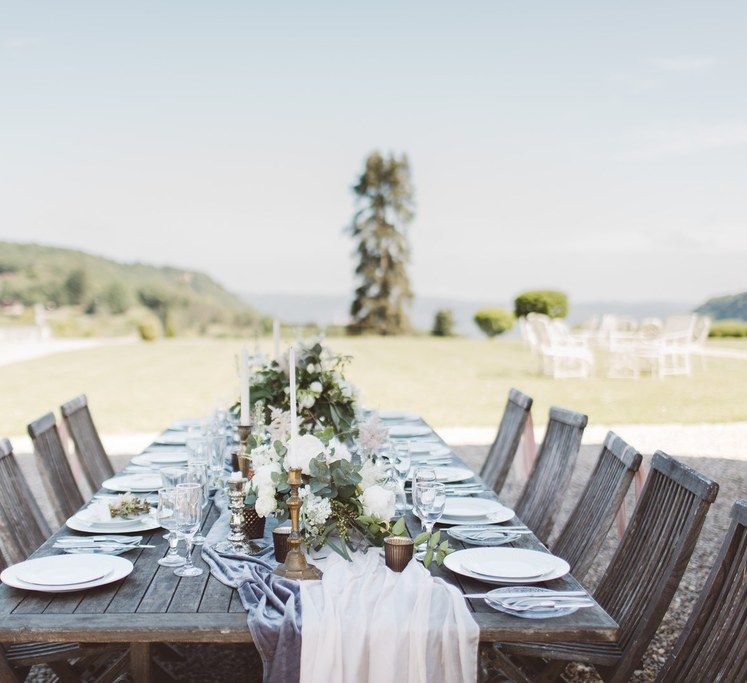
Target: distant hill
182	300
732	307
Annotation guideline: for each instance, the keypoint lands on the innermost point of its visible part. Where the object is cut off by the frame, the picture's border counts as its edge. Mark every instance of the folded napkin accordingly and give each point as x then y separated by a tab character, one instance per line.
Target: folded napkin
272	602
363	622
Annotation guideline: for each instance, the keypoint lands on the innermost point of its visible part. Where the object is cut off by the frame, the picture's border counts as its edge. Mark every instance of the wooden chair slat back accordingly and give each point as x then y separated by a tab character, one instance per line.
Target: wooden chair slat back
54	468
711	646
653	554
548	481
93	459
22	526
583	534
501	455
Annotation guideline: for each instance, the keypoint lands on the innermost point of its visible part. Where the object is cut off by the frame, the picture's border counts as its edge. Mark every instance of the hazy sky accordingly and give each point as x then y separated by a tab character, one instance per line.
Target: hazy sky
596	147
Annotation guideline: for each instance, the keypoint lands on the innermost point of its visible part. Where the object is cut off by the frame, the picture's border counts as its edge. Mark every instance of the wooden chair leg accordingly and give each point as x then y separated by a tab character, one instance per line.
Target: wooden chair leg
10	675
140	662
65	671
117	668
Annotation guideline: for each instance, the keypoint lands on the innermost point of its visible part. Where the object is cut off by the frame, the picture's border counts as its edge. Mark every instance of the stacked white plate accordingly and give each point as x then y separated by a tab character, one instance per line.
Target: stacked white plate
86	523
184	425
135	483
408	431
397	415
507	565
468	510
447	474
171	439
161	458
422	450
66	573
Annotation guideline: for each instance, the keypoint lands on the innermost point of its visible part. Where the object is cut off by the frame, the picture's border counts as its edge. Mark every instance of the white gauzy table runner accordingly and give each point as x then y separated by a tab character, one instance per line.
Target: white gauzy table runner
363	622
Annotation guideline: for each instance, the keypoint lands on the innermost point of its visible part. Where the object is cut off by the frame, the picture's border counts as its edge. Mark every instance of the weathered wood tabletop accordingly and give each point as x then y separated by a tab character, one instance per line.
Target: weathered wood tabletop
152	605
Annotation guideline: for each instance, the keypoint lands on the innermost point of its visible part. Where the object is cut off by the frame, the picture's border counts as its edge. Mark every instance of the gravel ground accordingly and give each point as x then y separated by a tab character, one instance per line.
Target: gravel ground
211	663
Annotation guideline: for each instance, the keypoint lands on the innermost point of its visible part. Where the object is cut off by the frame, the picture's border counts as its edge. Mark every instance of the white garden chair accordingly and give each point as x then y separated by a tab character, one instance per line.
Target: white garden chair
561	354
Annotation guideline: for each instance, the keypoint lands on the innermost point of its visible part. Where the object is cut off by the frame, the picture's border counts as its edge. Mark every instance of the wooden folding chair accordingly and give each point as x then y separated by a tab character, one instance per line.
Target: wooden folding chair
93	459
591	519
549	479
501	455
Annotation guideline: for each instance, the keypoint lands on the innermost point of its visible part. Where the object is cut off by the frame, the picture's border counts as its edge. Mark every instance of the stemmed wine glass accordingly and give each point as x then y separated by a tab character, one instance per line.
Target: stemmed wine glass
431	501
423	475
171	477
401	462
166	516
197	474
188	519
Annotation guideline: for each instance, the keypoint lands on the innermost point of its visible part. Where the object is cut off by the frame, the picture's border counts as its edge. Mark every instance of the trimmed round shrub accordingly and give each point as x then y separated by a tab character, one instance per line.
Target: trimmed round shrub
443	323
728	328
551	303
494	321
148	330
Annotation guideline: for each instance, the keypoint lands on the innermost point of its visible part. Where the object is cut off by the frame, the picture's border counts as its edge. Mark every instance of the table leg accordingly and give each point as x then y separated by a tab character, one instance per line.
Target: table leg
140	663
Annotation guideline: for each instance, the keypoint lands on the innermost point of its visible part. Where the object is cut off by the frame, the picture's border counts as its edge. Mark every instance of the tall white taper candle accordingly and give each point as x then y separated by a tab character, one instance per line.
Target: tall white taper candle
276	338
292	376
244	379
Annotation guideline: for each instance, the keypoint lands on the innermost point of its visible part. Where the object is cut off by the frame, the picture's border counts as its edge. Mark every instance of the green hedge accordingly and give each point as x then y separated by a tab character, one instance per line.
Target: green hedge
728	328
547	301
494	321
443	323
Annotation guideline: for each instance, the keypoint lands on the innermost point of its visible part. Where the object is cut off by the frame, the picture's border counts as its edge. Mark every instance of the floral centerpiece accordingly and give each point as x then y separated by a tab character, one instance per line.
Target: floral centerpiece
325	398
343	504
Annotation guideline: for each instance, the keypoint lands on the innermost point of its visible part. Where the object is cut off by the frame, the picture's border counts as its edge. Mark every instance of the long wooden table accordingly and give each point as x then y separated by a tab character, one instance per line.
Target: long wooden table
153	605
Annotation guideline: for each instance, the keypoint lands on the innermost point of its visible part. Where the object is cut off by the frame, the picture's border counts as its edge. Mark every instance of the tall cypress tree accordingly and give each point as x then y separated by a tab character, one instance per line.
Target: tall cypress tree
384	196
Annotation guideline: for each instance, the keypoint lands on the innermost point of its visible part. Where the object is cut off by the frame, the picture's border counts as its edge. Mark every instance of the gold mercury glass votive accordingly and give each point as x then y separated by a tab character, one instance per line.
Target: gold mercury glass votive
398	551
280	536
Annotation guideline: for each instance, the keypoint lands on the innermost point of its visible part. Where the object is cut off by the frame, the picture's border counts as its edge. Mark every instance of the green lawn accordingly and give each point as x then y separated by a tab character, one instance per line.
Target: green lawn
451	382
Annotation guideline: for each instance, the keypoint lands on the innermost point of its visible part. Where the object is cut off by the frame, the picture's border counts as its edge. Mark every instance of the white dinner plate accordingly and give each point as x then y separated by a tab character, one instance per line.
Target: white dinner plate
423	450
137	483
390	415
119	567
140	525
113	524
60	570
161	459
407	431
171	439
509	569
469	507
448	474
184	425
461	562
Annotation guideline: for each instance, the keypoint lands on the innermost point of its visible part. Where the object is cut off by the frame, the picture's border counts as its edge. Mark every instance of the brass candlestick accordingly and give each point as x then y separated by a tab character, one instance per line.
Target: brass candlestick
295	565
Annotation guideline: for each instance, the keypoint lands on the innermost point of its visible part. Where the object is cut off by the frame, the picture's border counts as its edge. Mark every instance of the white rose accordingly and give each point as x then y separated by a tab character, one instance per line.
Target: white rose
265	505
371	474
302	450
378	502
263	475
341	452
316	387
310	368
306	399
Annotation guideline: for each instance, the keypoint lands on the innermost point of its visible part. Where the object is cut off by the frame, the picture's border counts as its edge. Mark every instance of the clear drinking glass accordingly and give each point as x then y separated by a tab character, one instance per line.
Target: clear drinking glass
188	519
431	498
197	473
166	516
422	475
172	476
401	463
